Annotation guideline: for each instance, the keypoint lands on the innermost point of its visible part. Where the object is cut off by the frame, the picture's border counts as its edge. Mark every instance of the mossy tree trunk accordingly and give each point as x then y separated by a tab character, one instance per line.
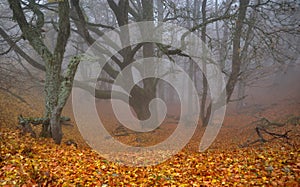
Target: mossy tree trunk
57	87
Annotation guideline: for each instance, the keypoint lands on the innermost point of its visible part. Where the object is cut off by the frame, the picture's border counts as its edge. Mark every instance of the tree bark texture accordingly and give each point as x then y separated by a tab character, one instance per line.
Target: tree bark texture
57	88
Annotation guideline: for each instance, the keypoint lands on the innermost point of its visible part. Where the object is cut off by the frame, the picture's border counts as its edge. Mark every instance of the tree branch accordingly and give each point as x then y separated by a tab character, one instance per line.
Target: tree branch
17	49
101	94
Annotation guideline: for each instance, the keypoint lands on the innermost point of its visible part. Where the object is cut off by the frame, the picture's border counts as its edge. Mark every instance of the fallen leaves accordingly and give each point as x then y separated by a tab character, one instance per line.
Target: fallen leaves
25	161
40	162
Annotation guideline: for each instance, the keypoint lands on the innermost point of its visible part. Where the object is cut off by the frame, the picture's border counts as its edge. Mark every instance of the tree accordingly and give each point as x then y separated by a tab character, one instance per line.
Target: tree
248	37
236	51
234	46
140	96
57	86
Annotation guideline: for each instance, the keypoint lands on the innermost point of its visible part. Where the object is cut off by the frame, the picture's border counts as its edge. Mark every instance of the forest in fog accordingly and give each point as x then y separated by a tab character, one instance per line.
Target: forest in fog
149	92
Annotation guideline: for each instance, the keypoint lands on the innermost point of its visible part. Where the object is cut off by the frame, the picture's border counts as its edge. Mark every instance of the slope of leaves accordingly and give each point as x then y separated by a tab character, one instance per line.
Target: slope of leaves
25	161
40	162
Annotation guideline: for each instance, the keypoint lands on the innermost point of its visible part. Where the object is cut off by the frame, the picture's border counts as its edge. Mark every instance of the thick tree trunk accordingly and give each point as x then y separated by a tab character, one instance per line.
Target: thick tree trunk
56	89
52	111
148	51
141	108
56	129
140	102
140	97
52	84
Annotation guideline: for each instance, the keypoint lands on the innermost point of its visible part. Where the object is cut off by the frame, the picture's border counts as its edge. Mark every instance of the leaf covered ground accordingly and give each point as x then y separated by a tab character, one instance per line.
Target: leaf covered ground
25	161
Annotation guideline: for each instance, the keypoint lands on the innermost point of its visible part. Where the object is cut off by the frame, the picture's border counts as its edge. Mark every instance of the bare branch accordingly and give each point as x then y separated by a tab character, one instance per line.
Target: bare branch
17	49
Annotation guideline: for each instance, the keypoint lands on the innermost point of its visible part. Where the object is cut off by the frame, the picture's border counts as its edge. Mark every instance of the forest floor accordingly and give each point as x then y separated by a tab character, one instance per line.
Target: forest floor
25	161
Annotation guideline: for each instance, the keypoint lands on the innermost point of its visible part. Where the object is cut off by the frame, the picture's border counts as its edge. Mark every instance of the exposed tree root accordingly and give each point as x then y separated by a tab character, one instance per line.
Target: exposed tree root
264	127
25	123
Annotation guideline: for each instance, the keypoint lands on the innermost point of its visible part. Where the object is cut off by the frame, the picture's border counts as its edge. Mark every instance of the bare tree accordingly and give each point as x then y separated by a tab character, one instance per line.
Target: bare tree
140	96
57	87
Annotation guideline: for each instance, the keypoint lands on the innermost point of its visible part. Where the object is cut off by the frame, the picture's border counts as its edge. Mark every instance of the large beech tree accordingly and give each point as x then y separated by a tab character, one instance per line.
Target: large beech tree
57	87
140	96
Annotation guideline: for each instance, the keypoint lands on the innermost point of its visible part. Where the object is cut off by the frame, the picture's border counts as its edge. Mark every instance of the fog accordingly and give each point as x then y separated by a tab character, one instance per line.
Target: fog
280	87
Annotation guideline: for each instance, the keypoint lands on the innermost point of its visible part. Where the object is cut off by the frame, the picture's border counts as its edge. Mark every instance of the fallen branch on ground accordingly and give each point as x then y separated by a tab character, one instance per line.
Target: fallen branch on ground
263	127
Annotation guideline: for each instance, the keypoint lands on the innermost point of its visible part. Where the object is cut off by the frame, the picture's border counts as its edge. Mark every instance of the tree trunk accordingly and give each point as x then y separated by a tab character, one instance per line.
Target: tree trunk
140	102
150	84
57	88
236	57
241	93
141	108
205	112
52	84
